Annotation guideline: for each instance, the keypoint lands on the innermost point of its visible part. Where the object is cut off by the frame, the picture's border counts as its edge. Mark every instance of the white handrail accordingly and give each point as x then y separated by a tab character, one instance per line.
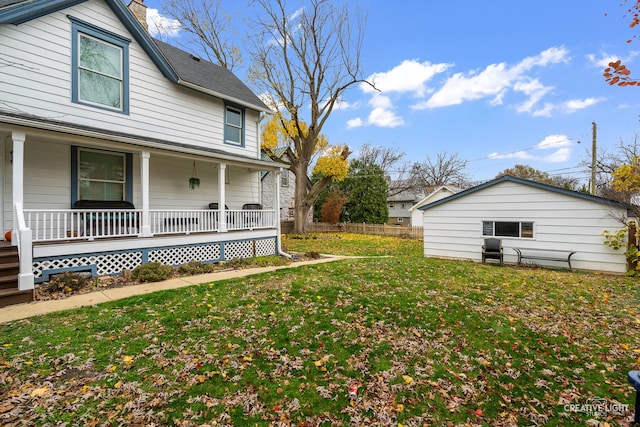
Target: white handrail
24	241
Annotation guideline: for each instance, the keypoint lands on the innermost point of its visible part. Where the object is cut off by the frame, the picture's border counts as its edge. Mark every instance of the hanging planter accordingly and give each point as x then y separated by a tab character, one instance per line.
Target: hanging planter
194	181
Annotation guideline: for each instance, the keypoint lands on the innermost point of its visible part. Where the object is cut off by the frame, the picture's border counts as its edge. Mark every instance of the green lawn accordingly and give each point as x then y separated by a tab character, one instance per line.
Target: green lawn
428	342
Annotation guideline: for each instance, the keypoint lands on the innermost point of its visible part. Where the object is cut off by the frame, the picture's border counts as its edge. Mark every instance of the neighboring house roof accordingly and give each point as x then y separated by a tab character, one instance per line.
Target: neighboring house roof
176	65
436	194
279	152
529	183
405	196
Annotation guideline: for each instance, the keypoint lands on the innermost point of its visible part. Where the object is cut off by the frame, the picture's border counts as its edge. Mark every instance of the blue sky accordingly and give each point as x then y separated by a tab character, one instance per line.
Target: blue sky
499	82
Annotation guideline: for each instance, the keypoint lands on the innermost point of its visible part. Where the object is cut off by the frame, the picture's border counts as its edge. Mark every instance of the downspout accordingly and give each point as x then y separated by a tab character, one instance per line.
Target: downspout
276	209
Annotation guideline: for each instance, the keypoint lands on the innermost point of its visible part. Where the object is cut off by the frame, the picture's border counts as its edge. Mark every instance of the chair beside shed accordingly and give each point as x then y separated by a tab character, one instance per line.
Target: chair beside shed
492	249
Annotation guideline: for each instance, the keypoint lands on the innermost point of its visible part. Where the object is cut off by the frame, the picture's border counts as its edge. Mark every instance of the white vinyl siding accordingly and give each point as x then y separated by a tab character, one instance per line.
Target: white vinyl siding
48	173
562	222
158	108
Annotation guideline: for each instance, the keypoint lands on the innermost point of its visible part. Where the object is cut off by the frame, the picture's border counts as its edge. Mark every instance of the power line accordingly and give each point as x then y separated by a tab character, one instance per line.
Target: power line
497	156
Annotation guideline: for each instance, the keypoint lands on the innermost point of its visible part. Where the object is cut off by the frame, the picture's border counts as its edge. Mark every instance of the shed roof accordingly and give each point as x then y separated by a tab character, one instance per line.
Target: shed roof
526	182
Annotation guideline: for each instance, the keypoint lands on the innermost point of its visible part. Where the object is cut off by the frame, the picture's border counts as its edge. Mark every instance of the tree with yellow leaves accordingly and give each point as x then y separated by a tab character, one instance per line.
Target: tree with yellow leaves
305	56
283	140
627	177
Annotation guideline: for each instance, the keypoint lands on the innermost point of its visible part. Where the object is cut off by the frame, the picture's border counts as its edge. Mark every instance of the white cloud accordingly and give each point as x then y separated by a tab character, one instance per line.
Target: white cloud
579	104
554	141
534	90
603	59
494	80
558	156
561	144
382	114
567	107
409	76
342	105
354	123
385	118
380	101
522	155
161	25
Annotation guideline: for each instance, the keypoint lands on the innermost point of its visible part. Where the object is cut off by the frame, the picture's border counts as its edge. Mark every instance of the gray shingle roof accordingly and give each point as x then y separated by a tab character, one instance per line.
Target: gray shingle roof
207	75
5	3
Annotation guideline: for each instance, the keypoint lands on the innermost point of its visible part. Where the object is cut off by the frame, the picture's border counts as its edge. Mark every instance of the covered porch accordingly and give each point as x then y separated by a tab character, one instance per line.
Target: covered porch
162	219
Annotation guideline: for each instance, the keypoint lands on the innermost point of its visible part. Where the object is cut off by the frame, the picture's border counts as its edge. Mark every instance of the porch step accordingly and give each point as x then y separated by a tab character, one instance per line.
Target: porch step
14	296
9	270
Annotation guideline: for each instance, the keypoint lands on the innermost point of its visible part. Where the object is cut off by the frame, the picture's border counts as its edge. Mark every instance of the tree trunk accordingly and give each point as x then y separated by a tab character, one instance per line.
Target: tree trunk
301	207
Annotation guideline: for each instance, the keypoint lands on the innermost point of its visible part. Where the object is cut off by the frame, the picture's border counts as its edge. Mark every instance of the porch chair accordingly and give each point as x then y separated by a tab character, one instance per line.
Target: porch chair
214	206
492	249
252	206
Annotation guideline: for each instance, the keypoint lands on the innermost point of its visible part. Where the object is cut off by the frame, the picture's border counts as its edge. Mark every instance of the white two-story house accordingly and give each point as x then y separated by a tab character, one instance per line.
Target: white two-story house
117	149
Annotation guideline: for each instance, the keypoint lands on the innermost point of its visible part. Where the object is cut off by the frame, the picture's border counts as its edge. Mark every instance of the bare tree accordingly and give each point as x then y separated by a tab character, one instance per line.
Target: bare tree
445	169
391	161
304	60
209	28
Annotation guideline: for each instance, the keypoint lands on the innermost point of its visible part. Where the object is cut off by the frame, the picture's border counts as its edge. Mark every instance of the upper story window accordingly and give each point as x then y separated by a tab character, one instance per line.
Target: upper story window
284	178
100	71
101	175
233	125
391	205
507	229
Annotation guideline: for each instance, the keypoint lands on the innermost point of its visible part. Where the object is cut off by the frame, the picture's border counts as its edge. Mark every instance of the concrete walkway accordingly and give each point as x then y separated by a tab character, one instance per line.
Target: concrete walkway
37	308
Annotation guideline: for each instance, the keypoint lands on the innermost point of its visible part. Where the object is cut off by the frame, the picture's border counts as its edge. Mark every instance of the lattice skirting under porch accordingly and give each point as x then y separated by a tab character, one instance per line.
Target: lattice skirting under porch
114	262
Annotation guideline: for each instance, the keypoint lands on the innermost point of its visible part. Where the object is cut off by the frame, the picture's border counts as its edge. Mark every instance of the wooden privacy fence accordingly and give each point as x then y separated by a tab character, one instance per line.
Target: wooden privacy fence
362	228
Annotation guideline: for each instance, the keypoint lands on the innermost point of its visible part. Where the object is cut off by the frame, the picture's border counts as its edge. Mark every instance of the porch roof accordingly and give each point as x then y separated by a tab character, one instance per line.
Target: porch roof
44	124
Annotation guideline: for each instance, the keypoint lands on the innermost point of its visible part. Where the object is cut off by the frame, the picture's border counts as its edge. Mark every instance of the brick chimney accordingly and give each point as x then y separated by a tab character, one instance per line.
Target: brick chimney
139	10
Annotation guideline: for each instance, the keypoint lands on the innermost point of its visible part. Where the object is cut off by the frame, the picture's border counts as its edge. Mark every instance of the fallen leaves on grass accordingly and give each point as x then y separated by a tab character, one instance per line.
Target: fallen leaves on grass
427	342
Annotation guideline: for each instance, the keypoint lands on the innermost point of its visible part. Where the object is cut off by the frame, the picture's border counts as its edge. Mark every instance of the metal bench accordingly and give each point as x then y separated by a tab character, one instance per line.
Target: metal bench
544	255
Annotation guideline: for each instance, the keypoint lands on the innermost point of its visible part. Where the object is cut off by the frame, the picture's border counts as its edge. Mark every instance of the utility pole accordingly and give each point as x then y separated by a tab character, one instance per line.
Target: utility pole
593	161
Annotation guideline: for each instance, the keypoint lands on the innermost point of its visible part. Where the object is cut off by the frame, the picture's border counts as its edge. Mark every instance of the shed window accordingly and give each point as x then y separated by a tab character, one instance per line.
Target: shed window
507	229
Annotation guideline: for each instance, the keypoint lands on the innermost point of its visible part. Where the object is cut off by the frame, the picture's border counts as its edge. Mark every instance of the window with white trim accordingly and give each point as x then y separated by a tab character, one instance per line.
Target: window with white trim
100	72
518	229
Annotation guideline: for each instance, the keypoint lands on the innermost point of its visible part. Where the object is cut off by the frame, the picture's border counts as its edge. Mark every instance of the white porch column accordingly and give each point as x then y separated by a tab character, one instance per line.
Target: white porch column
222	168
145	230
21	234
17	190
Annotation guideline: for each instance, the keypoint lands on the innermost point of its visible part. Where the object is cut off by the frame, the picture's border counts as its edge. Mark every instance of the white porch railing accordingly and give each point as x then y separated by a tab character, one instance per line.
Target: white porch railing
23	238
83	224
